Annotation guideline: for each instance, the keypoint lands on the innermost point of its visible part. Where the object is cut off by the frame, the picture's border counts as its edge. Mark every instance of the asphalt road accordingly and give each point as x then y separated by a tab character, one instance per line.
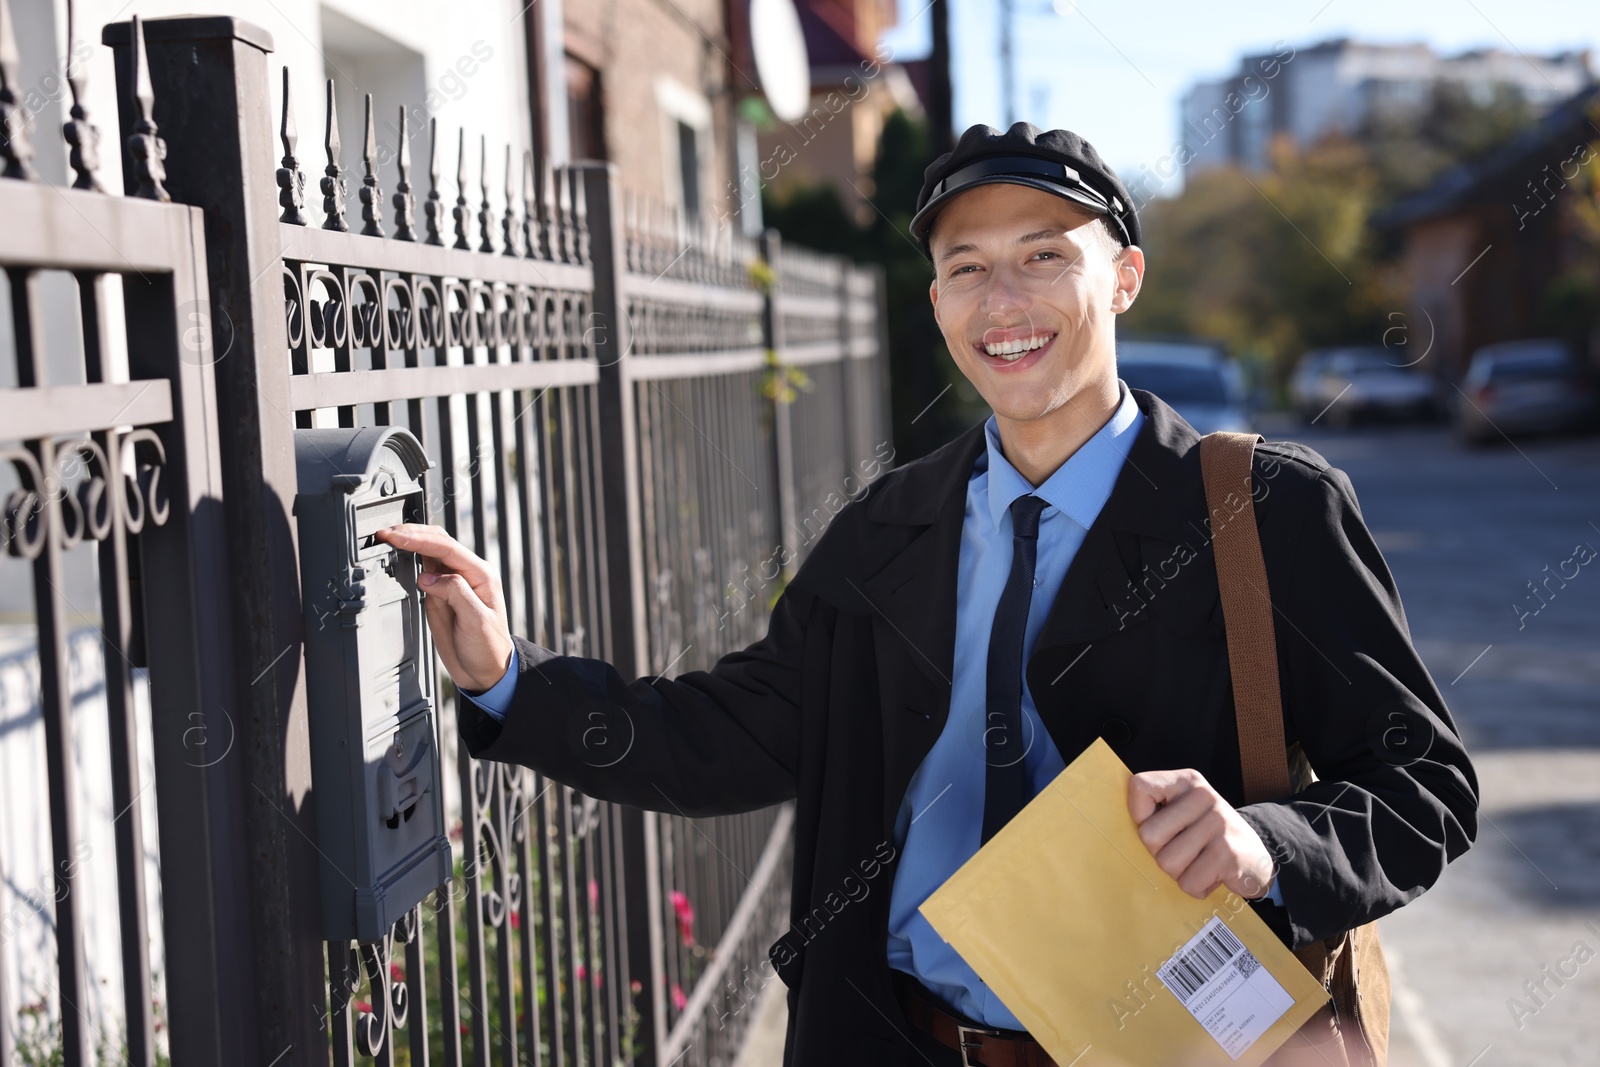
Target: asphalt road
1465	532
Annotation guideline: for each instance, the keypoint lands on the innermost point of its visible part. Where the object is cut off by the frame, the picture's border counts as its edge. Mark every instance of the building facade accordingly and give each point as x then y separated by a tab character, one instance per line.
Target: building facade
1485	247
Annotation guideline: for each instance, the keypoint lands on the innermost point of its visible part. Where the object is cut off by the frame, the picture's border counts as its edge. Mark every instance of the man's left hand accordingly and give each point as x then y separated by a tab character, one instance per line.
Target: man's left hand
1196	836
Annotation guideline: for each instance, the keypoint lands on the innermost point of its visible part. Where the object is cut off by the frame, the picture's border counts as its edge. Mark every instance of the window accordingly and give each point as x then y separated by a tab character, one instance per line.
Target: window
689	170
687	147
585	110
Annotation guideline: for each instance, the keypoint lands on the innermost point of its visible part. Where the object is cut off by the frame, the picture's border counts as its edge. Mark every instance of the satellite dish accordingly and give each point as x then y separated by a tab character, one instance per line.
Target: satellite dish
781	61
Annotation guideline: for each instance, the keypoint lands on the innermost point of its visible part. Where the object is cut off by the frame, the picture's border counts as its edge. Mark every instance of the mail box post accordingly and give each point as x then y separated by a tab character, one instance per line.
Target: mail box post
369	693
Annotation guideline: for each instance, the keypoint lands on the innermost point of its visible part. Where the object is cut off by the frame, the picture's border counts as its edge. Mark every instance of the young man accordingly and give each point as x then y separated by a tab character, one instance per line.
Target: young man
981	616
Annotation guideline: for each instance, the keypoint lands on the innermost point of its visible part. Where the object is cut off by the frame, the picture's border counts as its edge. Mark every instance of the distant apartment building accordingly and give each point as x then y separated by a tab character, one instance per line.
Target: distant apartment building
1341	86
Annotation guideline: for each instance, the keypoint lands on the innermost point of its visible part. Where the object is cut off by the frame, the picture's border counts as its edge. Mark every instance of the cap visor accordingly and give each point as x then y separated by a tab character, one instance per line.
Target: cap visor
923	220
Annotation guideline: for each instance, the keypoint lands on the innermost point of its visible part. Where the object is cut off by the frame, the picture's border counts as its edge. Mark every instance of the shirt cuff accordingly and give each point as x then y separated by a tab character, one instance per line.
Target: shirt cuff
496	700
1275	894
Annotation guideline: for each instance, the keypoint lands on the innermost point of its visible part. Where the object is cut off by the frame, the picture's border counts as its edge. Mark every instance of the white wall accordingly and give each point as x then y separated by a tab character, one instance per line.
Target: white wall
483	37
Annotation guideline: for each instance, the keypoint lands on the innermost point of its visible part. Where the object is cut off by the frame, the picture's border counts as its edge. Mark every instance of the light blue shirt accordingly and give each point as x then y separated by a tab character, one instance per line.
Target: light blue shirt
940	822
496	699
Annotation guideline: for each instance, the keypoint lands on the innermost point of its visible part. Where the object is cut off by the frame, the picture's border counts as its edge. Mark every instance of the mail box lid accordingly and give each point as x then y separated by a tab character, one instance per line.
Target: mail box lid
339	460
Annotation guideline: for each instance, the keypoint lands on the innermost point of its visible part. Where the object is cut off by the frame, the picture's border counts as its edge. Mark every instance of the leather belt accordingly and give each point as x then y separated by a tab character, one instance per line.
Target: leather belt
979	1046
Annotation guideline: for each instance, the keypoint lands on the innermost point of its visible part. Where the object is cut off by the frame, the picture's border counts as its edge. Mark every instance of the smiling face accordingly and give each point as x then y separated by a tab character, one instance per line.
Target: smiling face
1026	295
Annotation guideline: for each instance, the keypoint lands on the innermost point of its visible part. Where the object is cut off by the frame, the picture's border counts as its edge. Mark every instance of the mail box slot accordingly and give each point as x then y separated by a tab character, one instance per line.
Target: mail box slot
369	691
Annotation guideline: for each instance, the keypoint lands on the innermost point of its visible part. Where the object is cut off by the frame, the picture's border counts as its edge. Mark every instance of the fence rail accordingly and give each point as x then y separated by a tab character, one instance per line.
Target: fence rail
641	422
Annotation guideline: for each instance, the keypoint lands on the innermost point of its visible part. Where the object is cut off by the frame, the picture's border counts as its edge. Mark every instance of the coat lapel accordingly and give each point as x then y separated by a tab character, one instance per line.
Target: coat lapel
914	594
915	590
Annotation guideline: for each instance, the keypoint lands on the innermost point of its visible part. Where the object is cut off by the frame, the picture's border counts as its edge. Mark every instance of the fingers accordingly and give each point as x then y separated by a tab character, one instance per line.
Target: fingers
437	546
461	598
1194	811
1213	866
470	636
1187	827
1149	790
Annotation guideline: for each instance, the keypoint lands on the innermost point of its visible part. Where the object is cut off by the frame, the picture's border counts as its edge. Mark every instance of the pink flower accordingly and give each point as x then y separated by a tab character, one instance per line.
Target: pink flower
685	914
636	986
363	1007
397	973
516	920
594	895
679	1001
583	972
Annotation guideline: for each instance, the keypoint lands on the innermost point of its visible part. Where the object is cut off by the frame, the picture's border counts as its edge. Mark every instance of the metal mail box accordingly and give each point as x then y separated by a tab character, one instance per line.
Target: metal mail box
369	691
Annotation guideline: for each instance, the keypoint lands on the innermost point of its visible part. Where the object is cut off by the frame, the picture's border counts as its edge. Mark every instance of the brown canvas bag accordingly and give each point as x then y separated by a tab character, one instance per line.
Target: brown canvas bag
1353	1028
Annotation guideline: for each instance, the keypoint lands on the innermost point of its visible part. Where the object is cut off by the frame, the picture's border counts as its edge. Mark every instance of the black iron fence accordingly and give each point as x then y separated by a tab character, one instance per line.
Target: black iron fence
641	422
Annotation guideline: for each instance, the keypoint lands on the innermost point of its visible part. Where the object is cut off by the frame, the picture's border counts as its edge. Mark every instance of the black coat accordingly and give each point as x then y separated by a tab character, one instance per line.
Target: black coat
847	692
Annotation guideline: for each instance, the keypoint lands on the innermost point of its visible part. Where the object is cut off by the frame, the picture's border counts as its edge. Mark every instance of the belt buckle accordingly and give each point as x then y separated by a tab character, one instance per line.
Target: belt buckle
968	1046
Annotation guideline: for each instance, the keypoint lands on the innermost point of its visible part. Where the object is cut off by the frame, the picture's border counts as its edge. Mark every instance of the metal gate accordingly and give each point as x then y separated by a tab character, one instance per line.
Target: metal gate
632	418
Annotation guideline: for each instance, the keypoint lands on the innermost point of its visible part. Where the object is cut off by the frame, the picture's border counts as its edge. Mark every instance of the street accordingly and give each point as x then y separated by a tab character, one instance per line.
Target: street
1465	532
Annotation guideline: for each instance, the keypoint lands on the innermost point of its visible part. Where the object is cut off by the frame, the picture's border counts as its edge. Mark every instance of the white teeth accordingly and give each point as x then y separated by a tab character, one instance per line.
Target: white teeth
1013	350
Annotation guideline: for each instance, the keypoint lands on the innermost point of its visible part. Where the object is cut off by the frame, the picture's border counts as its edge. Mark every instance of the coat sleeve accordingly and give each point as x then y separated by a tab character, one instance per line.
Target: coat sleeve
1396	798
704	743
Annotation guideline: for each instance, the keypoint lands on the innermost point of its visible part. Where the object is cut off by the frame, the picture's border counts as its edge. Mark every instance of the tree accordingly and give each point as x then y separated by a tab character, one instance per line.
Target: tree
1273	263
1410	148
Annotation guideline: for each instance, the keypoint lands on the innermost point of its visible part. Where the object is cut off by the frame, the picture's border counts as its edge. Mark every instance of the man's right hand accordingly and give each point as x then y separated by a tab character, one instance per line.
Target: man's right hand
466	610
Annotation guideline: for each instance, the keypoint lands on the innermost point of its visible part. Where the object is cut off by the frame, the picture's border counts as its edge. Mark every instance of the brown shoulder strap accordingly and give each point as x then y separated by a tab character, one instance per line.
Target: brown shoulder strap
1225	460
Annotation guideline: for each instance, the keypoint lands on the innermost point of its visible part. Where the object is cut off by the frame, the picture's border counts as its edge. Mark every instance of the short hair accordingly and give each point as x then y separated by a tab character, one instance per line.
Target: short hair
1107	238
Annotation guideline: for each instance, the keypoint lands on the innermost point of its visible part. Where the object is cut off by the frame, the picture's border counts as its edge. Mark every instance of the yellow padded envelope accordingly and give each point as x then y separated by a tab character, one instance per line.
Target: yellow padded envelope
1096	950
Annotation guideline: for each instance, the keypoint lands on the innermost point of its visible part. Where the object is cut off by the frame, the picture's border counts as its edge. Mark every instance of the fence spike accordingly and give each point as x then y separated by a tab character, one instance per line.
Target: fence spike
145	144
485	212
333	185
630	207
675	235
80	133
647	236
564	208
404	212
580	215
291	179
665	242
461	211
15	147
433	207
508	221
549	219
530	214
371	195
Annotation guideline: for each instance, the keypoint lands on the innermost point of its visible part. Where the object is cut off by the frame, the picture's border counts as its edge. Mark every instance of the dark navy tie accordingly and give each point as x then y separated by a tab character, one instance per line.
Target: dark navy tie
1006	779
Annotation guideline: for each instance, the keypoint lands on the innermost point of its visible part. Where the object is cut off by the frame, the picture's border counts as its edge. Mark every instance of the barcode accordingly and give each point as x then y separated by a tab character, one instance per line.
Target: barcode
1186	972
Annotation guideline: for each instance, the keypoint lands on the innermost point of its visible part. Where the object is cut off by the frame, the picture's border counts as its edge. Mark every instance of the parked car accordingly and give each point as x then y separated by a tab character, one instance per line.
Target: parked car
1522	387
1195	377
1342	385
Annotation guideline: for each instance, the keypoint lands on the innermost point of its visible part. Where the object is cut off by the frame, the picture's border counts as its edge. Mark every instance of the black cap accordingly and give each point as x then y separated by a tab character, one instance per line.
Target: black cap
1054	161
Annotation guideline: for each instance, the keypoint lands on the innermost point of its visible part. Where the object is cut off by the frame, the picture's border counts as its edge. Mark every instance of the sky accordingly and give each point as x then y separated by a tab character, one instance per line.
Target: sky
1115	70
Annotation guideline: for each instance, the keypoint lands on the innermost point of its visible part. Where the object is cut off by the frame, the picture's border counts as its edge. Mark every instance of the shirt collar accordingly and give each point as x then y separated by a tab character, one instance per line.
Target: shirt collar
1080	486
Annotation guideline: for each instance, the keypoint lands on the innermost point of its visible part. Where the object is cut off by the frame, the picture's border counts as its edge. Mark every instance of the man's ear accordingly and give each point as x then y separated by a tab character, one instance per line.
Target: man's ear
1129	268
933	298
